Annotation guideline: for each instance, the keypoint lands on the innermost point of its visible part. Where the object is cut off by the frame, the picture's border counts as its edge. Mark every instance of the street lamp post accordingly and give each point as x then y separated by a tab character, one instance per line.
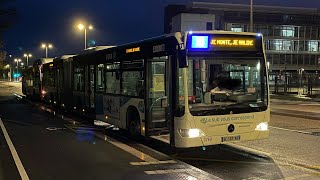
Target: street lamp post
251	15
27	56
82	27
46	46
300	71
17	60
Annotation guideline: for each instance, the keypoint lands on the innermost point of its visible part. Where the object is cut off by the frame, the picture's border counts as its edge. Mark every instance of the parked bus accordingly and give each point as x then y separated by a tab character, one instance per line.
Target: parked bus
193	89
38	92
53	79
27	81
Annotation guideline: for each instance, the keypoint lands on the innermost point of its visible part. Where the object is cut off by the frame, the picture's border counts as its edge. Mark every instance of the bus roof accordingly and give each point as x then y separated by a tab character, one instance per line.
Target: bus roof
42	61
224	32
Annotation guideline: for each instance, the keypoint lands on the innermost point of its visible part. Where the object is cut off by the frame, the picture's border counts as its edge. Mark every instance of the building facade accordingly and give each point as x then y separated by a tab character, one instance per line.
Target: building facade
292	37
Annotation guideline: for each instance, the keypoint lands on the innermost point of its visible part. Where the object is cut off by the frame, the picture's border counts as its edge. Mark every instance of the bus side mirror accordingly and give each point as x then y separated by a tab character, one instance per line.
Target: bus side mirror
164	102
182	58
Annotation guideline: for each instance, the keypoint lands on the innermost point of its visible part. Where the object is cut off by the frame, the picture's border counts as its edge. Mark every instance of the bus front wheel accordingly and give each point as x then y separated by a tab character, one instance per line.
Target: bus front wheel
134	123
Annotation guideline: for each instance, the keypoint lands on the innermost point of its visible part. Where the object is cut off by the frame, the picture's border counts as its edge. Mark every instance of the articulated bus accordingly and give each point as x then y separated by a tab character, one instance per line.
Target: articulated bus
188	89
52	82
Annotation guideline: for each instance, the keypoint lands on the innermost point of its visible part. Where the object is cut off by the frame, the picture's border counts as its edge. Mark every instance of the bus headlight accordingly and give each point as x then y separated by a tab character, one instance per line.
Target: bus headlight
191	133
262	127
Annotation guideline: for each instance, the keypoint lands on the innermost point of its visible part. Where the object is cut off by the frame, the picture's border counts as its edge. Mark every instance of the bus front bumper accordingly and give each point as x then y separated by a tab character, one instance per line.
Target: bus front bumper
183	142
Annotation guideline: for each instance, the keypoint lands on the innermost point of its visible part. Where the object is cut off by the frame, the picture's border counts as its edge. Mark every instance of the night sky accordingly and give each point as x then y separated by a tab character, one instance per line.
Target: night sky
115	22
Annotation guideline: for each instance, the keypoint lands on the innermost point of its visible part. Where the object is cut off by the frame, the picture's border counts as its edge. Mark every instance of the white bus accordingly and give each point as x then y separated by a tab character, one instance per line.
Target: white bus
188	89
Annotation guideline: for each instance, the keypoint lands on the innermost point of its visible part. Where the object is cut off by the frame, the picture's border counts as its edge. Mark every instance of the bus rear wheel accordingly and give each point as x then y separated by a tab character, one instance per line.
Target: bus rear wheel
134	126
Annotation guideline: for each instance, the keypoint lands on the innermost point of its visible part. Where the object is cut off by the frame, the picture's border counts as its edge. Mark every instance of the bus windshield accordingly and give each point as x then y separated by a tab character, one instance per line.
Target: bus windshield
222	85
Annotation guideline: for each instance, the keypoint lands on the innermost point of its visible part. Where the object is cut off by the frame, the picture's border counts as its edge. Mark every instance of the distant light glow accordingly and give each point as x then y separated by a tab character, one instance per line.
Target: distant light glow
199	42
190	32
259	34
81	26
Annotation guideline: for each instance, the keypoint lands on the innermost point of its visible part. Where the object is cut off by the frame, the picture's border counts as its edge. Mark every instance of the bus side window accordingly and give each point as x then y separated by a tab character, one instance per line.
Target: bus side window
140	88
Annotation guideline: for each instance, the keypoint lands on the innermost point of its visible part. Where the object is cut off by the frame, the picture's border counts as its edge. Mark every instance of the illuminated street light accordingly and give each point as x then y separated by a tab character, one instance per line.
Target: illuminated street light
82	27
46	46
27	56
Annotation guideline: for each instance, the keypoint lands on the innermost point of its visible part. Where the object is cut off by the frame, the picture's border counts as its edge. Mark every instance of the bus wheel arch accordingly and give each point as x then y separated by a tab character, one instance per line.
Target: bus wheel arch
133	121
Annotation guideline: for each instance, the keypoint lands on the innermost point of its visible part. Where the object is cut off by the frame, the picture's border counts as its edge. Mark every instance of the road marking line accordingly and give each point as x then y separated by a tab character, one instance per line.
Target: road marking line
249	149
152	162
303	132
22	171
122	146
316	104
224	161
297	176
165	171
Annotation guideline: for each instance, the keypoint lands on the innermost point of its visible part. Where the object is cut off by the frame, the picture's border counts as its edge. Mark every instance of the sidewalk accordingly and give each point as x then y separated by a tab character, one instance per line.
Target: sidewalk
293	106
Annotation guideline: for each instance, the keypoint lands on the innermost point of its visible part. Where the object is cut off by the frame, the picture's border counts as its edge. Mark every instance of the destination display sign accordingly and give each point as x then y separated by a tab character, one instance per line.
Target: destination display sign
236	42
224	42
131	50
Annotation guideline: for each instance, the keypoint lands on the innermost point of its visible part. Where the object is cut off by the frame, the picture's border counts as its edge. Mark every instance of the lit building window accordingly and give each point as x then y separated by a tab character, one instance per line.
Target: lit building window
287	31
282	45
237	29
313	46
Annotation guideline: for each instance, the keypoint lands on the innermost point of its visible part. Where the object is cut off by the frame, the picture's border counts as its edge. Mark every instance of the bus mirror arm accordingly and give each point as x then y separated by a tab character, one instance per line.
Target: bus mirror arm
164	102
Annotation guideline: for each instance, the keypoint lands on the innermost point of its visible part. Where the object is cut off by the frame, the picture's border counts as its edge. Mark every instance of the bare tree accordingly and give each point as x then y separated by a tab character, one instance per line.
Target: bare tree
8	16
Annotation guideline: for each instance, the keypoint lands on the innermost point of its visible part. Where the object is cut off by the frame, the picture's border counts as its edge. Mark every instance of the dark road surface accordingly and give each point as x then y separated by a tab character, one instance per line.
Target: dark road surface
50	147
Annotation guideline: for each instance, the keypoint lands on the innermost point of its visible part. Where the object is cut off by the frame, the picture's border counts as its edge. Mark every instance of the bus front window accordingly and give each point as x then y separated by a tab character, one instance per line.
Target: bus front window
226	85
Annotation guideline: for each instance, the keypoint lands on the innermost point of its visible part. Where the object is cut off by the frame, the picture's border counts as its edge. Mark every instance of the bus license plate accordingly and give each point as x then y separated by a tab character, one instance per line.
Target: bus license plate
230	138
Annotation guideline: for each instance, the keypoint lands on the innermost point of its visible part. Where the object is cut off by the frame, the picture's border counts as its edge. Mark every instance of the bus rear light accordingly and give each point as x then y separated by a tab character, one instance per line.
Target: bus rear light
262	127
191	133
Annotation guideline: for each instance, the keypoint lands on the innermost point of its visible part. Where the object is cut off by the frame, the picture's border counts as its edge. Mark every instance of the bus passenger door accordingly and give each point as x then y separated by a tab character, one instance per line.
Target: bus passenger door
89	87
92	85
157	95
